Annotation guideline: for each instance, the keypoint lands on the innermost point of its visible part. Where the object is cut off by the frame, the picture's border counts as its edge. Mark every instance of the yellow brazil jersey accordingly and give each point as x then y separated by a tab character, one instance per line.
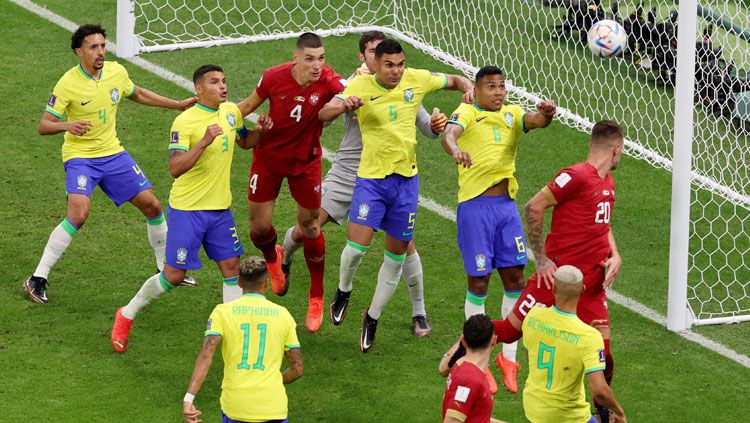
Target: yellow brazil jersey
387	120
255	333
491	139
84	98
561	350
206	185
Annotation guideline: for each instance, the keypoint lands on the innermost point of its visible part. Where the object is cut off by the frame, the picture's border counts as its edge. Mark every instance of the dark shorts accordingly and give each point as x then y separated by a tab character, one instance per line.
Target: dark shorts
265	180
227	419
490	234
118	175
389	204
188	230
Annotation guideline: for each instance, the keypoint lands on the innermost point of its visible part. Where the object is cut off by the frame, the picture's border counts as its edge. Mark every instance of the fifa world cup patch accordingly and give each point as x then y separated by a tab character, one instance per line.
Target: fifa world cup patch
563	179
52	100
208	325
454	117
175	137
462	393
602	357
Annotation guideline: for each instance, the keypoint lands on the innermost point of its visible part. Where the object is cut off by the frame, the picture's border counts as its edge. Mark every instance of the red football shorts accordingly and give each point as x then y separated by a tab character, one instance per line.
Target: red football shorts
265	182
592	307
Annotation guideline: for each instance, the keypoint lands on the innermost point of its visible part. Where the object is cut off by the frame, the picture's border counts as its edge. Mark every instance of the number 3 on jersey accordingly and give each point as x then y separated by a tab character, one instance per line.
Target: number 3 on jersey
296	113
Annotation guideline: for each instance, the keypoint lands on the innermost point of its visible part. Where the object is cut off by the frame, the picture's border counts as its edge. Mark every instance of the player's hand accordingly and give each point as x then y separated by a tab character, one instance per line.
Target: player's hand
362	70
437	123
187	103
462	158
616	418
212	132
264	123
545	272
612	267
190	413
468	97
547	108
352	103
78	128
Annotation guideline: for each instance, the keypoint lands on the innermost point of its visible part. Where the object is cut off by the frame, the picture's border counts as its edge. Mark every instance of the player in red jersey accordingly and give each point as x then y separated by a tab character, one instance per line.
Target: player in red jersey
291	149
467	395
583	197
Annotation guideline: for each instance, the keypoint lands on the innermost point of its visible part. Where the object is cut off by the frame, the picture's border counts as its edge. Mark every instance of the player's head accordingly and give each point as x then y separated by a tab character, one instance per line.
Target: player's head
607	139
479	333
390	63
253	275
309	56
210	85
89	42
367	44
489	90
568	283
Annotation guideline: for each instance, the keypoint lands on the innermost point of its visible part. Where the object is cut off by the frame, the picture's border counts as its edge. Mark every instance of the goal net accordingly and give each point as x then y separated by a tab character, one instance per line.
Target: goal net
539	45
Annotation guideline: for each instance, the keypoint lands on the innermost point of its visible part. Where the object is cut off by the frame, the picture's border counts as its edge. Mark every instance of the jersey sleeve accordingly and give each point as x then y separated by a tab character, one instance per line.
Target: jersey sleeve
128	87
239	120
423	122
432	81
263	86
466	394
353	88
179	136
336	84
58	101
461	116
215	325
565	184
291	341
518	122
594	359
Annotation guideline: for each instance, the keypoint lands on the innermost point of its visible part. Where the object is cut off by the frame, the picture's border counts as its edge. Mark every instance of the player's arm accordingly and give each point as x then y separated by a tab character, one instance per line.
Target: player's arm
542	117
450	144
249	139
50	124
613	263
338	106
444	367
181	161
150	98
533	211
295	369
463	84
202	364
431	125
602	394
251	103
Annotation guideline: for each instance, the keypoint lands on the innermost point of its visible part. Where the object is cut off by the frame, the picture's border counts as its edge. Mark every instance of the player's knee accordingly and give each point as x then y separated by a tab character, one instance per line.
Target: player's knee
479	285
173	276
78	217
259	232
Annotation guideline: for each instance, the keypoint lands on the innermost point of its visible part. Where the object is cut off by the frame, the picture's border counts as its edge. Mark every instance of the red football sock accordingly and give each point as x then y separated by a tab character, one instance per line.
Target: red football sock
315	253
267	244
505	332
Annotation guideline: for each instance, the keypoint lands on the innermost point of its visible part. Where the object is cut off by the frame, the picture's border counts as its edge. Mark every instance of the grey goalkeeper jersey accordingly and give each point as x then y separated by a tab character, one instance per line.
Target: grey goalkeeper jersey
350	151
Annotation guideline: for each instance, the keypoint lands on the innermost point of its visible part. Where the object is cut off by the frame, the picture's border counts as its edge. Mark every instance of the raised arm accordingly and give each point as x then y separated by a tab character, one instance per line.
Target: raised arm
295	370
602	394
463	84
50	124
450	144
338	106
181	161
542	117
202	364
534	213
150	98
249	104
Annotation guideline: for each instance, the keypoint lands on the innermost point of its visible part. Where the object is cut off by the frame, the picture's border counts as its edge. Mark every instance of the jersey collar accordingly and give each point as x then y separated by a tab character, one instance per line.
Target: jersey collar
205	109
564	313
254	294
87	76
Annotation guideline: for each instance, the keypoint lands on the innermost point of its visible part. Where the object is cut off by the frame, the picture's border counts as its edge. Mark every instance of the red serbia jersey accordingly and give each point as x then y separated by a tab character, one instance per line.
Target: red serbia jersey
294	111
580	220
467	394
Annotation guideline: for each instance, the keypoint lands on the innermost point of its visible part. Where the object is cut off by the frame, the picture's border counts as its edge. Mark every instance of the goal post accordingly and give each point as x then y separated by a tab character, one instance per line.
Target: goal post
680	91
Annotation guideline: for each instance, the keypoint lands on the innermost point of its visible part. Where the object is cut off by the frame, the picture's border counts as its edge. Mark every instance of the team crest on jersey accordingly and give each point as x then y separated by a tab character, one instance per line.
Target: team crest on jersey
408	96
231	119
299	98
181	255
509	119
52	100
175	137
314	98
481	261
114	93
82	181
605	192
364	210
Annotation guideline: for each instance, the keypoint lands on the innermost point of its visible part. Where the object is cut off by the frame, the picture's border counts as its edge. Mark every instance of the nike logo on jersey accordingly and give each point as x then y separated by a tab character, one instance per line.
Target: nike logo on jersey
375	98
83	103
481	119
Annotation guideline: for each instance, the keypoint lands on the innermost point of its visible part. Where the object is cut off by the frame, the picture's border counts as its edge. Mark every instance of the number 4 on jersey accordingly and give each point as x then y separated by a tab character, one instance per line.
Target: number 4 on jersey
296	113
